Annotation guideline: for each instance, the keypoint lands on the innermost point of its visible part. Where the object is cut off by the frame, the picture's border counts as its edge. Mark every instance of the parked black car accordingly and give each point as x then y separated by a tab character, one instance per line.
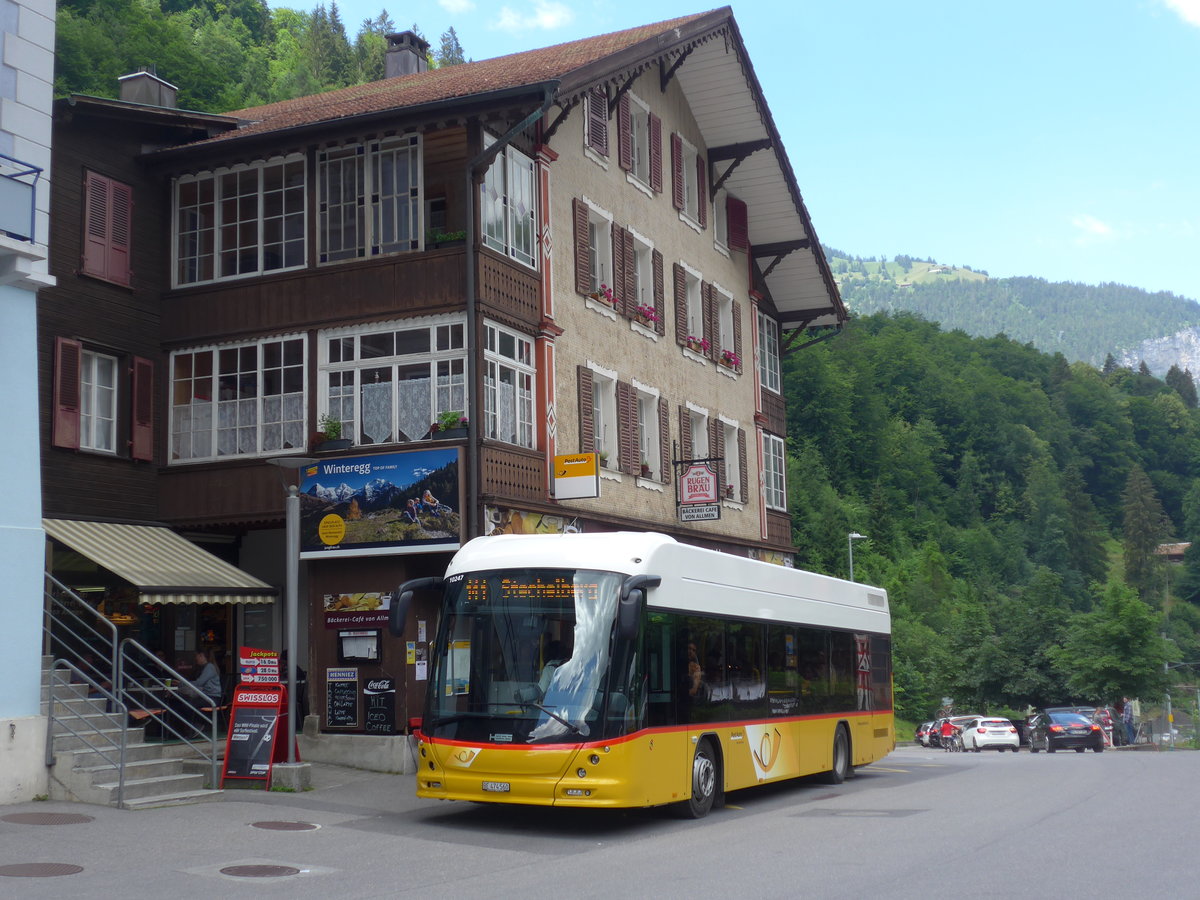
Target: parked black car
1050	730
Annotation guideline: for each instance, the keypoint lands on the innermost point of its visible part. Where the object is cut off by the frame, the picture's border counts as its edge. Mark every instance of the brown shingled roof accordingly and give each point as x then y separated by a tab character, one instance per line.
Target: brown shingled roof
461	81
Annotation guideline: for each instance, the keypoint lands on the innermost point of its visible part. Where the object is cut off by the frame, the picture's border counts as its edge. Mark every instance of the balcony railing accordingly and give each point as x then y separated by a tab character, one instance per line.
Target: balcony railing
18	198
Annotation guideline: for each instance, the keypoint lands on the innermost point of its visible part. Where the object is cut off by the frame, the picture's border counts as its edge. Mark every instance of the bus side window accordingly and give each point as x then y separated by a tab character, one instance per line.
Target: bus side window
660	708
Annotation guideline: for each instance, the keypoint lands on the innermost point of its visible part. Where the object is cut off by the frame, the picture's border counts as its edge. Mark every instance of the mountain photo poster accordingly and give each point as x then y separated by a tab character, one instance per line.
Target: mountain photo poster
382	504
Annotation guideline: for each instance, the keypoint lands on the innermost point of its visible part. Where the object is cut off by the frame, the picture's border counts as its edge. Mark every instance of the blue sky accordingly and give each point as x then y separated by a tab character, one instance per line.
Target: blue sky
1056	138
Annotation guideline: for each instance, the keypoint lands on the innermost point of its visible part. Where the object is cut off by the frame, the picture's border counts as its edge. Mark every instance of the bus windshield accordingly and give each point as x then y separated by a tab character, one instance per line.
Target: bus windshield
523	656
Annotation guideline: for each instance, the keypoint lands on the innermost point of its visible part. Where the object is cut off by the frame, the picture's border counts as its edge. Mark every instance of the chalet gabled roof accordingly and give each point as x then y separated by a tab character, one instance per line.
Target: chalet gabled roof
705	52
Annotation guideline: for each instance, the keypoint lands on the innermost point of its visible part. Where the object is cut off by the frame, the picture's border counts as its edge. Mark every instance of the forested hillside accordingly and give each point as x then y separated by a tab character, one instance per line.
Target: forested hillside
1082	321
223	56
1013	502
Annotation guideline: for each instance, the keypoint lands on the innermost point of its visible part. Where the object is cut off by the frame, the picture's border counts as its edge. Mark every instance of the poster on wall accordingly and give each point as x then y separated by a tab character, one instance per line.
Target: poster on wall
388	503
357	609
501	520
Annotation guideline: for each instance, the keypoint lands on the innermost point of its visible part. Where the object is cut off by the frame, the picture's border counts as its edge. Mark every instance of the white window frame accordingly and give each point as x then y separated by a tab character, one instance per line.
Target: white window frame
508	205
724	336
643	270
768	354
253	419
639	140
647	428
508	374
599	242
277	221
721	222
605	422
341	354
697	323
380	213
733	461
98	401
691	189
773	474
699	422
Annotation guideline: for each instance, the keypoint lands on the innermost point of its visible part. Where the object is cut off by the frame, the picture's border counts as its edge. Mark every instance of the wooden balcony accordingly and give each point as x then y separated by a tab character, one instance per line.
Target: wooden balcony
775	410
779	529
512	473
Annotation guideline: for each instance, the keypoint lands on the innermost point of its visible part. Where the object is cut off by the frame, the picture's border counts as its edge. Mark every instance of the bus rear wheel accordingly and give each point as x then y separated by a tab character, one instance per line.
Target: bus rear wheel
704	784
841	758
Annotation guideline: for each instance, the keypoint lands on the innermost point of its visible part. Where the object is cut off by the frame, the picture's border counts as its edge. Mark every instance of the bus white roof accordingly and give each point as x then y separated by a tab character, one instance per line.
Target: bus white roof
694	579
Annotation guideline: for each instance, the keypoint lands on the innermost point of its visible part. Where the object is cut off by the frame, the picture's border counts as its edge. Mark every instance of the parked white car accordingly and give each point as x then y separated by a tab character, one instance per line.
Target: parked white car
987	733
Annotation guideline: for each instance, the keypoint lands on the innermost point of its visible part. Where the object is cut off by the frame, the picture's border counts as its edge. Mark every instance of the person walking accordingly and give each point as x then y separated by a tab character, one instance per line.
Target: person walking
1127	720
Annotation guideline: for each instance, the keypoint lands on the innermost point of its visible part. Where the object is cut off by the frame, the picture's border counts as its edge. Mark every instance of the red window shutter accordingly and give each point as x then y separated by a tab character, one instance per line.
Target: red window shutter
737	334
681	318
685	432
716	448
677	185
597	120
655	130
664	441
738	225
629	284
97	198
67	361
701	191
708	305
743	467
121	233
619	265
583	261
624	133
627	442
141	443
656	262
587	424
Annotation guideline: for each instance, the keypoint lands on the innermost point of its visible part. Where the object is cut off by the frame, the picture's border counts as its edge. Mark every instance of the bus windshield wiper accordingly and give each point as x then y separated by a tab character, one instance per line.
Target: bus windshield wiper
575	729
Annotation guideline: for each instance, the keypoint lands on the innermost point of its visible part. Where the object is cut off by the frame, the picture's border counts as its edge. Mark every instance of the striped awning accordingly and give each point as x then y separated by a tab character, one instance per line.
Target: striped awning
163	566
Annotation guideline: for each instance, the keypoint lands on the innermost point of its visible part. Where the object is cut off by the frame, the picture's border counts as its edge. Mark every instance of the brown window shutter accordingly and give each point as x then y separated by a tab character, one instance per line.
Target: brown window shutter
141	443
677	191
627	442
738	224
121	233
624	133
664	441
680	305
97	200
67	361
655	131
708	306
737	334
583	263
629	283
743	467
656	263
685	432
597	120
587	425
619	265
701	191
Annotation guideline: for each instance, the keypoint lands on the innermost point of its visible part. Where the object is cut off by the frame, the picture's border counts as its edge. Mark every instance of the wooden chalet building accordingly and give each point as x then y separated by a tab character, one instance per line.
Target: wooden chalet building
593	247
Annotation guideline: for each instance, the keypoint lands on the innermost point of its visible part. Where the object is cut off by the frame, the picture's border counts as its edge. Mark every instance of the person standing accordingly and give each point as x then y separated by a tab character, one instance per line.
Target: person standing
1127	720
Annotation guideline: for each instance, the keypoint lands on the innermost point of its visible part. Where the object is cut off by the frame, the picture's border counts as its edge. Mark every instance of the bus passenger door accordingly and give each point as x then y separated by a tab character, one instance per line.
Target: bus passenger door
663	749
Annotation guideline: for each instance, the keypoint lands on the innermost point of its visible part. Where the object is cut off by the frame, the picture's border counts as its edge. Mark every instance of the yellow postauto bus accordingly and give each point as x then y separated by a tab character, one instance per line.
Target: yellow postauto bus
630	670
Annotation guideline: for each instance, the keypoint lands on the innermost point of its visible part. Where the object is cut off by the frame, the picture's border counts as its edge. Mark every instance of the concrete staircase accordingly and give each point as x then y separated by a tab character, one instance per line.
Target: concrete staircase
87	757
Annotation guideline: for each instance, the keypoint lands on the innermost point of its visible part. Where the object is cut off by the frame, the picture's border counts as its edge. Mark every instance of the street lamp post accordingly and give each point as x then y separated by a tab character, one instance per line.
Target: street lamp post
287	464
850	539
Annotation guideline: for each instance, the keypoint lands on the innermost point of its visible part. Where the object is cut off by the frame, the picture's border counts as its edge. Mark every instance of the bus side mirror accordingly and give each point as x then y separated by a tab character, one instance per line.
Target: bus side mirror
629	608
398	614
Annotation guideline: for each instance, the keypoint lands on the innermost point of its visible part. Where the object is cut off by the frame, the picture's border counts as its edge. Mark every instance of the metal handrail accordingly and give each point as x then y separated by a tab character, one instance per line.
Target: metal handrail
93	625
26	169
92	735
137	664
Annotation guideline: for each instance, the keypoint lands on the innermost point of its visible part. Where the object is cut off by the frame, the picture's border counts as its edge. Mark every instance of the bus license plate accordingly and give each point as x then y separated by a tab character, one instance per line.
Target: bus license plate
499	787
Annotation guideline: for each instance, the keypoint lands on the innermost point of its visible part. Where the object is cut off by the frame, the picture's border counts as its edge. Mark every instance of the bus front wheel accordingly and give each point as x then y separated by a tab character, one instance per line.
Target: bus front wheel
841	758
704	784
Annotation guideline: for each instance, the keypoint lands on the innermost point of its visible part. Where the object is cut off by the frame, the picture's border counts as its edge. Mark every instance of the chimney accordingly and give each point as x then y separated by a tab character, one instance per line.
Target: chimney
146	87
406	54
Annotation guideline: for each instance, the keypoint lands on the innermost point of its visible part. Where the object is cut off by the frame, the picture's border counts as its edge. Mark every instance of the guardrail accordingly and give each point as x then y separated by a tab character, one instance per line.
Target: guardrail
17	198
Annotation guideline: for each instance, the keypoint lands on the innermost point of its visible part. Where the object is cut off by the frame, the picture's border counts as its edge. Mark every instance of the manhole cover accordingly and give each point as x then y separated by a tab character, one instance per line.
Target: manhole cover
39	870
285	826
259	871
45	818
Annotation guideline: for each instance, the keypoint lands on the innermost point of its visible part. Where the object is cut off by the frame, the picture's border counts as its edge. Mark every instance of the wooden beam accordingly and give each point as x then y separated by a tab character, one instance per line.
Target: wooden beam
665	76
548	132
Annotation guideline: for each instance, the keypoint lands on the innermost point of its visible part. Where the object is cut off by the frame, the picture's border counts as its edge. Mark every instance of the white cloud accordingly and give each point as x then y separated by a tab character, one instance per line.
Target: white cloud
1188	10
456	7
546	16
1091	230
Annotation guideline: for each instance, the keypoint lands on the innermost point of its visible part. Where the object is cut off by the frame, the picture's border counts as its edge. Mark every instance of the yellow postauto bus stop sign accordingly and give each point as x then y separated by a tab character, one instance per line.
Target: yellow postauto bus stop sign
576	476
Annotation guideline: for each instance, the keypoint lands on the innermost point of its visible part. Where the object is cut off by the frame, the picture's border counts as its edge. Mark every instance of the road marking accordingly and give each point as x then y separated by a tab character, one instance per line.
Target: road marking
884	769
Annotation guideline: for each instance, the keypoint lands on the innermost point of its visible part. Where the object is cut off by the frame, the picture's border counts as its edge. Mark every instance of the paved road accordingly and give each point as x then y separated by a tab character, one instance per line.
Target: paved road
994	825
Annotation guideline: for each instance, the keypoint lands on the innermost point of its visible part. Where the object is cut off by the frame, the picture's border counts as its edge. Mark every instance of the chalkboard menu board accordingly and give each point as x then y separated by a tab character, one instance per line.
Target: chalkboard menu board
253	727
341	704
379	698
